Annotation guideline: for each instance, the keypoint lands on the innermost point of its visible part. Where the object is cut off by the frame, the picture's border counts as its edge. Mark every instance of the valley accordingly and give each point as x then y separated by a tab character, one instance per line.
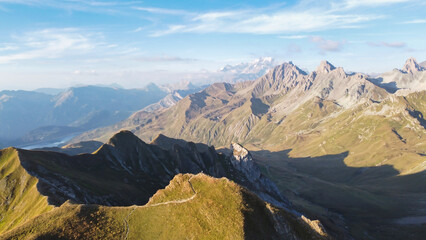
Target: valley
341	148
347	149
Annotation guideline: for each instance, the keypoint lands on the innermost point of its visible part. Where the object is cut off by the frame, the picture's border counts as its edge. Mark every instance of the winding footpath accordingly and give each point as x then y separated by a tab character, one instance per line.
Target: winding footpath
126	219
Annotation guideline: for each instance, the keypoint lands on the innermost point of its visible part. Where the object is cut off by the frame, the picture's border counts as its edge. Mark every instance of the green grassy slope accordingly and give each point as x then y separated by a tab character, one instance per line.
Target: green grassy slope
220	209
19	196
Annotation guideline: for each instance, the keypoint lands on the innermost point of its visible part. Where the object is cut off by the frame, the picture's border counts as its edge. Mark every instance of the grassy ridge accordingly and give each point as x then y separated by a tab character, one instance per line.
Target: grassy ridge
221	209
20	198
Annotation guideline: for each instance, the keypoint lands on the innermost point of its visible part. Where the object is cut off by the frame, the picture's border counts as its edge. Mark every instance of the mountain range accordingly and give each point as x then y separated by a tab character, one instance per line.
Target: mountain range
351	146
35	118
48	117
248	70
50	195
347	149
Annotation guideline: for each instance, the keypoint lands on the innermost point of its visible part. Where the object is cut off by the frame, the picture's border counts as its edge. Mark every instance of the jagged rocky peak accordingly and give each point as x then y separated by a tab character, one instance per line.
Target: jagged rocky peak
325	67
411	66
239	152
285	71
242	160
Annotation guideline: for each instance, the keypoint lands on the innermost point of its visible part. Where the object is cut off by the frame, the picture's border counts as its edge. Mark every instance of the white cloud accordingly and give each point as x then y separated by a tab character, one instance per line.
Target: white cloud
261	21
164	11
85	72
388	44
326	45
138	29
369	3
108	7
293	37
7	47
49	43
416	21
163	59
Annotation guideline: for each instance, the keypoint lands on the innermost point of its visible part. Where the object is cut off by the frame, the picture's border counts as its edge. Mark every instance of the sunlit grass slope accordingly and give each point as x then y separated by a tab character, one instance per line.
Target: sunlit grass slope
20	200
218	209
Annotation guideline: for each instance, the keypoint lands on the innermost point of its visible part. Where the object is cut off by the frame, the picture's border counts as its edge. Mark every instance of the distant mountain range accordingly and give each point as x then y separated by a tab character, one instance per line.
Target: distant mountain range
352	144
411	78
347	149
249	70
49	116
41	117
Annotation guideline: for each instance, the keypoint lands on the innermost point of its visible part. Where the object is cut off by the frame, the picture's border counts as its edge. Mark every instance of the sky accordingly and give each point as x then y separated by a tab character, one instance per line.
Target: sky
58	44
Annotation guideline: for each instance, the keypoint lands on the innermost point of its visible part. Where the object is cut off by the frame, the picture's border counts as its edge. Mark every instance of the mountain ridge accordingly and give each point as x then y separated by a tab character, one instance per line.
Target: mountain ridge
375	133
238	220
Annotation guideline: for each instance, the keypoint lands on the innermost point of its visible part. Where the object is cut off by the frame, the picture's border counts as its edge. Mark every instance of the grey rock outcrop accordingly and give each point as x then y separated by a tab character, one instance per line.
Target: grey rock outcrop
252	177
411	66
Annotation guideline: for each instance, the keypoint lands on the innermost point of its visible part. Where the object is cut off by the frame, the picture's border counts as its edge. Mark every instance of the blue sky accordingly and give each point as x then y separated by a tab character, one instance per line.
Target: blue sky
46	43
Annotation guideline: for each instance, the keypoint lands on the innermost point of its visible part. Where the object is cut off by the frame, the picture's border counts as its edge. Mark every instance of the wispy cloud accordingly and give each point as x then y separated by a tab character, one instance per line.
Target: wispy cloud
293	48
415	21
138	29
164	59
293	37
164	11
325	45
79	5
369	3
388	44
7	47
278	22
48	43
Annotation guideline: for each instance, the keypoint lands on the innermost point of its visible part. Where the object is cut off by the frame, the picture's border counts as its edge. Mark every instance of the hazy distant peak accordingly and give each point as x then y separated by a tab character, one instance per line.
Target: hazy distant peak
411	66
325	67
258	65
152	87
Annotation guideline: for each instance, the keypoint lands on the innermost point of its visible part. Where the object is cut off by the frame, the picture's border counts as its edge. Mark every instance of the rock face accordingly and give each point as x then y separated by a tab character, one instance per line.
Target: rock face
411	78
325	67
411	66
243	162
127	171
224	113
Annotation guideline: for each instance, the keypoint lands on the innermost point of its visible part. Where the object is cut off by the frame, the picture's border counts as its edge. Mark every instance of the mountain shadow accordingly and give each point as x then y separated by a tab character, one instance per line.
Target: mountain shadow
366	201
128	171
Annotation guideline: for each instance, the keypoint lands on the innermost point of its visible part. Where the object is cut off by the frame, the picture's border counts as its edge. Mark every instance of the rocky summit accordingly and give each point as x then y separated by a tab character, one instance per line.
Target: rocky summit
341	146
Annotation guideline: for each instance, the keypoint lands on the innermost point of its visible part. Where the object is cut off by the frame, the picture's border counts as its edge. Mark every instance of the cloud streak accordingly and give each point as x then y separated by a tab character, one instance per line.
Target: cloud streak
163	11
325	45
388	44
48	44
372	3
415	21
261	21
164	59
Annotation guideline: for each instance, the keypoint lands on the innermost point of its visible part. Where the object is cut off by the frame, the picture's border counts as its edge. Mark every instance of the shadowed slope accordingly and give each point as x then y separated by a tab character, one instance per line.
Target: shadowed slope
128	171
220	210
